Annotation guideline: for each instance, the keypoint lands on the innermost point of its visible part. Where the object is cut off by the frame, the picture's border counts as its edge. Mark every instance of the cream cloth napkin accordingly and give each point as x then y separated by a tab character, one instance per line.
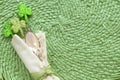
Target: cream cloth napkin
34	56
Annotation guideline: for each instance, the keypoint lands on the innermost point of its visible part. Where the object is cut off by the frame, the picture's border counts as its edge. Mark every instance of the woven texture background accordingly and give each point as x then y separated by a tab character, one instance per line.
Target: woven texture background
83	38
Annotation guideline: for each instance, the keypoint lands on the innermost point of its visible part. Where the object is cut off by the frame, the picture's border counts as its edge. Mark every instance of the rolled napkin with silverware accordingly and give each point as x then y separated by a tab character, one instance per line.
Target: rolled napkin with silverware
33	53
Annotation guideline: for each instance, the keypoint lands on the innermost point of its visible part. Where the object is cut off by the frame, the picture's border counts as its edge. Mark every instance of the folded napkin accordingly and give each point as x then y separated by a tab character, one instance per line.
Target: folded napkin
32	51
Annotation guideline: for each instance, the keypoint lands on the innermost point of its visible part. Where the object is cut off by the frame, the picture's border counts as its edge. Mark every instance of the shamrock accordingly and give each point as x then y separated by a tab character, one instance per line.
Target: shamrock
24	11
17	26
7	30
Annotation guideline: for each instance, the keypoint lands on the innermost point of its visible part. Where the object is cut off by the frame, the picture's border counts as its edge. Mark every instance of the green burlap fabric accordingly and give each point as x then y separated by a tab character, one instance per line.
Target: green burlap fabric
83	38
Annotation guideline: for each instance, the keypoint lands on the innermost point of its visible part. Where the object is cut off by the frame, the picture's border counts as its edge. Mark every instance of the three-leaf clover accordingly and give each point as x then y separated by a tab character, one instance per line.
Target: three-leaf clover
24	12
17	26
7	30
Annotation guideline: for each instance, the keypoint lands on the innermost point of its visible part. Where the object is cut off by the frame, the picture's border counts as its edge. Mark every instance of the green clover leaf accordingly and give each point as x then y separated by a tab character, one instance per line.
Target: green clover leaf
7	30
17	26
24	12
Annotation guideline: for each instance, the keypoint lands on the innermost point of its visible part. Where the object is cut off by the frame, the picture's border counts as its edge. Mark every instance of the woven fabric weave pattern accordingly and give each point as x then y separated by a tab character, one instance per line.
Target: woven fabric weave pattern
83	38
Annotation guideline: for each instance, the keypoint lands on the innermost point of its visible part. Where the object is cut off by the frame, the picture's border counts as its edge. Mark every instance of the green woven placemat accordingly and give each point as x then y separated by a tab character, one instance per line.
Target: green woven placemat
83	38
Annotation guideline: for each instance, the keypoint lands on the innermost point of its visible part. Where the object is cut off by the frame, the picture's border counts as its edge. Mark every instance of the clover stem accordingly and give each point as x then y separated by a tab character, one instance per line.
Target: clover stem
26	19
21	31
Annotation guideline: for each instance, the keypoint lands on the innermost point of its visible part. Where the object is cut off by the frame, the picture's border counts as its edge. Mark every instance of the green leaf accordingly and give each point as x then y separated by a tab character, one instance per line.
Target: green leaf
17	26
7	25
24	12
22	23
20	14
15	29
22	7
7	29
29	11
7	32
